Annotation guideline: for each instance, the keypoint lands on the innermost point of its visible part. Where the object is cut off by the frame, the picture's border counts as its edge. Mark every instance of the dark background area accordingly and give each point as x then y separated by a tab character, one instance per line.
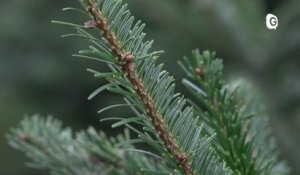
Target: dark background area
38	75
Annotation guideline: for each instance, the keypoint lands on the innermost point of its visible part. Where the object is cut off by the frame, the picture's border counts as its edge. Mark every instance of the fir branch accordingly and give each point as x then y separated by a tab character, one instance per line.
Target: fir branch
89	153
229	144
168	125
243	138
125	59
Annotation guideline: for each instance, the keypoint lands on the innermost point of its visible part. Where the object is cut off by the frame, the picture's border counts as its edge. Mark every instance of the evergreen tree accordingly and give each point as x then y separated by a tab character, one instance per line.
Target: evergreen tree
223	131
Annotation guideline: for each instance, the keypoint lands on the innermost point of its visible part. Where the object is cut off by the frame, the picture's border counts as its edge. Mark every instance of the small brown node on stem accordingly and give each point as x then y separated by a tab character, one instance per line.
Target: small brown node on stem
181	158
198	71
90	24
128	58
24	137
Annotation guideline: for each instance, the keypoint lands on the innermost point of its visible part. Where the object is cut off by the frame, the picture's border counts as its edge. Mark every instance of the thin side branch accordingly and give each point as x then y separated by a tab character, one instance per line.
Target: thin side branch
125	61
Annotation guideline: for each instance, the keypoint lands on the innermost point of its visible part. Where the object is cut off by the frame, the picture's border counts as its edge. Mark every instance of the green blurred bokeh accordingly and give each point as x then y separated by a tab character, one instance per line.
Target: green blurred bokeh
38	75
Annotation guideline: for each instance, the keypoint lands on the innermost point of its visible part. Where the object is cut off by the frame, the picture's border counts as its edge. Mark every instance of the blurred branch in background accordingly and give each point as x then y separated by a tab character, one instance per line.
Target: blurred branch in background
37	74
237	31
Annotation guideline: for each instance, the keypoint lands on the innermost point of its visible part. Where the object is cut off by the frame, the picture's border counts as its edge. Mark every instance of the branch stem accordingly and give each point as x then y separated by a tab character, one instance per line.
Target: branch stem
125	61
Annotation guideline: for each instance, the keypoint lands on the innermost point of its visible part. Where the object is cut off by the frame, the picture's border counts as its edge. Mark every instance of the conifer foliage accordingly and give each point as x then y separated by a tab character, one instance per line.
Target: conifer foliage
211	137
243	134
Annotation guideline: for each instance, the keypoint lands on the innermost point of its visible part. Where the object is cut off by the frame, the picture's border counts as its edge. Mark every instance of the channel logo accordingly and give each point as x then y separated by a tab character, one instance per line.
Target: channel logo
271	21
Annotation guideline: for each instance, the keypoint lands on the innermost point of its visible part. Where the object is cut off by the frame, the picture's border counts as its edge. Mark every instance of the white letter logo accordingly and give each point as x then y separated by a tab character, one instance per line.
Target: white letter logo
271	21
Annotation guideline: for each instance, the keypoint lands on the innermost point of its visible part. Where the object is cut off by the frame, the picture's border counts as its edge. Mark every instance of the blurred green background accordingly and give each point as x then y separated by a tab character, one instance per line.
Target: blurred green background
38	75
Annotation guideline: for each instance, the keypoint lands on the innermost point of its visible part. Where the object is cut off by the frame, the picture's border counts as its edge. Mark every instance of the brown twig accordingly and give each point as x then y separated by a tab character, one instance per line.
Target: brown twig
125	61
